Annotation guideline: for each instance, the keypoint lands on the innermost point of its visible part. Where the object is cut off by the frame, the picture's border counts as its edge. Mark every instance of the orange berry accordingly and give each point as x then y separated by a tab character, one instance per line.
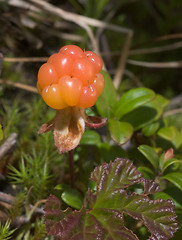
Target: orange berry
99	83
51	58
52	97
47	75
88	96
39	89
70	90
84	71
73	50
62	63
95	60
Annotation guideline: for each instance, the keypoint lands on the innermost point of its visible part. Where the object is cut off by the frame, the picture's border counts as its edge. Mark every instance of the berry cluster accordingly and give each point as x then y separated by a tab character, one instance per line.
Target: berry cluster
71	77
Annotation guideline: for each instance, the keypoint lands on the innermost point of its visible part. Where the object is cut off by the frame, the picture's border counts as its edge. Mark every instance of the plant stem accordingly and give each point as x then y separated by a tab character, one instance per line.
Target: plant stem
71	166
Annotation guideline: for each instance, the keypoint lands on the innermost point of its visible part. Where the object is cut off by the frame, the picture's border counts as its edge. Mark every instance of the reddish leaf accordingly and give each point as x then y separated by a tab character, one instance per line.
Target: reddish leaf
104	218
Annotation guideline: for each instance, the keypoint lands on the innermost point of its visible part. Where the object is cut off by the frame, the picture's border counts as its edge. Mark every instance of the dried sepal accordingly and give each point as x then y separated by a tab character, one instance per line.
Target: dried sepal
95	122
46	127
68	125
69	128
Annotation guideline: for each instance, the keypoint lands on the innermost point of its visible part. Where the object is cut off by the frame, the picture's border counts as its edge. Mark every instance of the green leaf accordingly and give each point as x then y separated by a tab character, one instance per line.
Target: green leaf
1	133
168	163
145	114
150	129
120	132
171	134
73	198
107	99
168	133
175	178
132	99
90	138
162	101
150	154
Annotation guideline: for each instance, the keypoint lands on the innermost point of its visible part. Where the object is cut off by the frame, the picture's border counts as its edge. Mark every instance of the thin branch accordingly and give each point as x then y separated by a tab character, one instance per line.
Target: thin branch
156	64
35	207
4	197
122	61
8	145
67	16
71	168
172	112
1	62
156	49
26	59
169	36
133	77
19	85
84	22
176	101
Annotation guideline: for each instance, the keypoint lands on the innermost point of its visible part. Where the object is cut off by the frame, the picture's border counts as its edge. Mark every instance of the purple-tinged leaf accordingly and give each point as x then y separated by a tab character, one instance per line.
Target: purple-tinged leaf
117	175
113	222
103	217
157	215
150	187
62	224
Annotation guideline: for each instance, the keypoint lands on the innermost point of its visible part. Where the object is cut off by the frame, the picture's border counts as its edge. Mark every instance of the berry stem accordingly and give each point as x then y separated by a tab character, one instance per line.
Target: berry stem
71	167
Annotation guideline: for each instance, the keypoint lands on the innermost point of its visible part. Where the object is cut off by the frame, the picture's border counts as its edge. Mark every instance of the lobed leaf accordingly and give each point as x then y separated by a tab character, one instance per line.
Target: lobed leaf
110	177
59	223
103	220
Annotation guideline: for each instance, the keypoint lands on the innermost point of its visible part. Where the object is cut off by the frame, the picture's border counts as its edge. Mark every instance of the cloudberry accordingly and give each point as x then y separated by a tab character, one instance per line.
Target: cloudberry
71	77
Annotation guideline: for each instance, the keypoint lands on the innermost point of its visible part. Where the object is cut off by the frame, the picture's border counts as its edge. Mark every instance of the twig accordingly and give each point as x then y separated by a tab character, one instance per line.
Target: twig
19	85
169	36
26	59
156	64
1	61
172	112
85	22
122	61
135	79
35	207
176	101
8	145
156	49
71	167
4	197
67	16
